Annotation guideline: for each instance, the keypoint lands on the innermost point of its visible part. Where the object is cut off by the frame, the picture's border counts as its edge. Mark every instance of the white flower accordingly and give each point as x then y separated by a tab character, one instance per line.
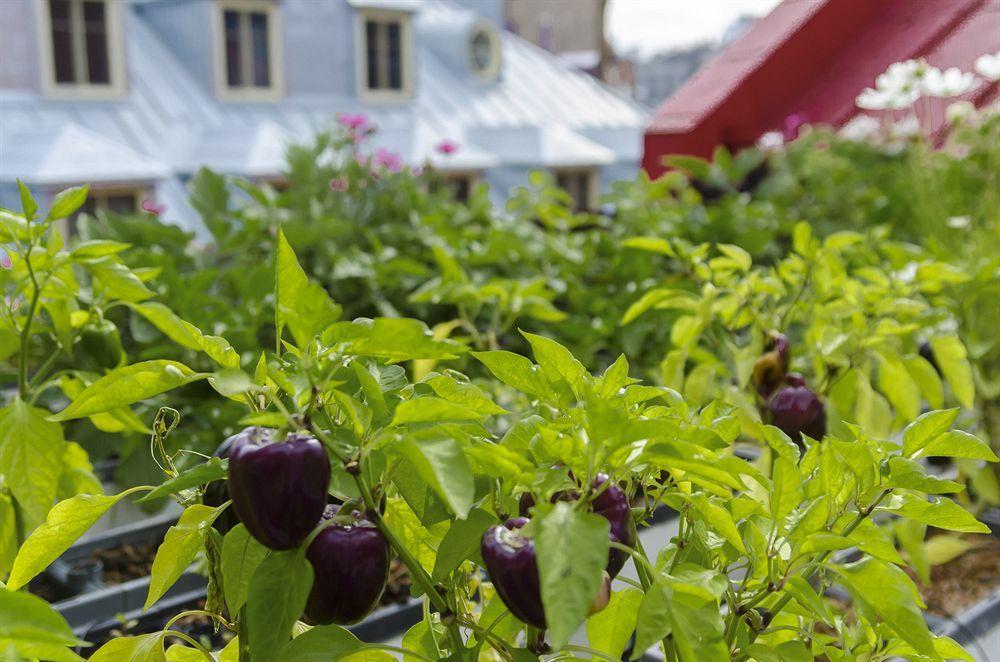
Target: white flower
860	128
960	222
771	140
907	127
952	82
959	111
988	66
877	99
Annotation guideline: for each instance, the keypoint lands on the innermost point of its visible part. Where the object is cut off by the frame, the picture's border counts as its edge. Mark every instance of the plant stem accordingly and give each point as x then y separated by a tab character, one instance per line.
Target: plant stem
241	634
22	365
818	560
201	649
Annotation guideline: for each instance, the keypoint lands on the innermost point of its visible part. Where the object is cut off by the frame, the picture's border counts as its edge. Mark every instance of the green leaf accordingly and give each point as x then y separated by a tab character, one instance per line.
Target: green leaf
28	204
68	201
420	639
233	383
895	382
442	464
31	450
429	409
911	475
422	541
303	306
241	555
949	352
393	339
114	280
516	371
465	394
786	488
926	429
945	548
34	629
890	593
128	384
186	334
690	613
555	361
143	648
959	444
206	472
719	520
651	244
96	248
320	644
275	599
942	513
807	597
67	521
926	377
569	580
461	542
178	549
609	631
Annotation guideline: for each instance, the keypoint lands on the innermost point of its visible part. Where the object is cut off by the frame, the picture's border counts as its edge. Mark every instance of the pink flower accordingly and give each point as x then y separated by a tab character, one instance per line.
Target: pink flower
150	207
5	259
356	123
389	160
418	171
447	147
338	184
12	302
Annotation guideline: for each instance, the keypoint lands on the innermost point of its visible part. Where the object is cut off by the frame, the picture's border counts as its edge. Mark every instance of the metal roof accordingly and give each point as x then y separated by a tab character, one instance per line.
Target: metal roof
538	112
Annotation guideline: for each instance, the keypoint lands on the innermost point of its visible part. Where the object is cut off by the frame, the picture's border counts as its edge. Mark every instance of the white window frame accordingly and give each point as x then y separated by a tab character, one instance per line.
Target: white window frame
407	62
275	90
593	181
492	69
82	89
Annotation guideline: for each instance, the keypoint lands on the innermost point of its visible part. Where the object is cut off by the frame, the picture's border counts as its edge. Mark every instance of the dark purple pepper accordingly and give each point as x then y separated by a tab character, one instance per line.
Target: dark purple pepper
797	410
279	489
350	560
510	561
217	492
613	505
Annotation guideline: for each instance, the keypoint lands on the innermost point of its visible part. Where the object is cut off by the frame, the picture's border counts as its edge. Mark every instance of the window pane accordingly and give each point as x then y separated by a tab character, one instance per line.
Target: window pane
258	35
123	203
62	40
395	56
96	34
371	47
231	20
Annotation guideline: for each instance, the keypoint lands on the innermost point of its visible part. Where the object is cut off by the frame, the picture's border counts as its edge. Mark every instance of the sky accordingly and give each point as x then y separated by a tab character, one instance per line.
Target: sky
650	26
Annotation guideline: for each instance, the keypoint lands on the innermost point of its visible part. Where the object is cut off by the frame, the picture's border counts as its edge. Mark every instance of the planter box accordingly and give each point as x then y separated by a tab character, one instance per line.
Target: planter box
94	603
981	618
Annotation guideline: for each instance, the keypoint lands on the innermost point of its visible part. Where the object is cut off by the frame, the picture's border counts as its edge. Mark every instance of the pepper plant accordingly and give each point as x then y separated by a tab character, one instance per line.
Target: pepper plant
512	520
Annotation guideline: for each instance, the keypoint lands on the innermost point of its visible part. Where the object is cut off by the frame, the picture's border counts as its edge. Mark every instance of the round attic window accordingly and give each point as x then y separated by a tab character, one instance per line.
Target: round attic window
484	51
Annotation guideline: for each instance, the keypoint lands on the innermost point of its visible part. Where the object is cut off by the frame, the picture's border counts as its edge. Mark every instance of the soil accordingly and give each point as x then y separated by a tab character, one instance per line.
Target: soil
957	585
126	561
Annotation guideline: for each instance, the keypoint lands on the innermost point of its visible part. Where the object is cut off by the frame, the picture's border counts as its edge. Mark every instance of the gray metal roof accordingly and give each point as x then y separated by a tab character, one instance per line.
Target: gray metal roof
539	112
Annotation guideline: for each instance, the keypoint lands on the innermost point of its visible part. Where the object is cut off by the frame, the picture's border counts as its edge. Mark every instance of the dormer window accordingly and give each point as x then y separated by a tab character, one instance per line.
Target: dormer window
484	51
385	59
247	51
81	48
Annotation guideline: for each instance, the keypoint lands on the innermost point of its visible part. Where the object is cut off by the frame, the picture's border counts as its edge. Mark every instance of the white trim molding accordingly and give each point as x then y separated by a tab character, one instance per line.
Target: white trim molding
81	88
407	64
248	92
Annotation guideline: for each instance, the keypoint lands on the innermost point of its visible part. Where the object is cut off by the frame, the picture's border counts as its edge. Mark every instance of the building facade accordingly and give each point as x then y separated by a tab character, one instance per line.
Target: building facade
133	96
